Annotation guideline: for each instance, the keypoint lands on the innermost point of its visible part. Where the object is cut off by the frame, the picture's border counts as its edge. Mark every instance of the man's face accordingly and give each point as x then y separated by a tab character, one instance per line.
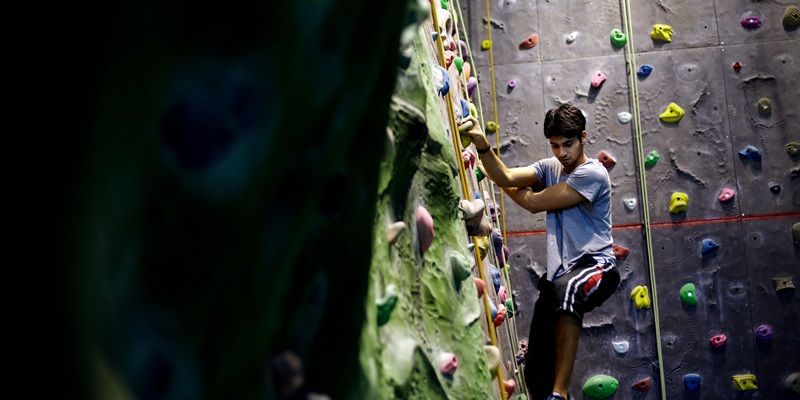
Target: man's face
567	150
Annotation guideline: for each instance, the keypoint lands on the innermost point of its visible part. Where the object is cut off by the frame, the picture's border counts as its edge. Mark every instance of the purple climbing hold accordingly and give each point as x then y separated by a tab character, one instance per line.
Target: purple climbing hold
708	246
751	153
644	71
472	83
750	21
497	241
764	334
718	341
691	382
512	84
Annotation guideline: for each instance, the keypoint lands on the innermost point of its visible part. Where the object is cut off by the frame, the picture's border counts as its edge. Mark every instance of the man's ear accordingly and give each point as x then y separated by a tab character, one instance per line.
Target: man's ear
584	136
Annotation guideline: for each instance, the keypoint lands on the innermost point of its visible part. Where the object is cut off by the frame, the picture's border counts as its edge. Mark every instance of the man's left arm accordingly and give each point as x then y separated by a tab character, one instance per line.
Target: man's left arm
552	198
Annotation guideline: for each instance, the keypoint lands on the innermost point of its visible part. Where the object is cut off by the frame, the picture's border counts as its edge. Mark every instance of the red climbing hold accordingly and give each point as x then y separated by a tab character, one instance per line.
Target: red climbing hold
606	159
530	42
620	252
737	66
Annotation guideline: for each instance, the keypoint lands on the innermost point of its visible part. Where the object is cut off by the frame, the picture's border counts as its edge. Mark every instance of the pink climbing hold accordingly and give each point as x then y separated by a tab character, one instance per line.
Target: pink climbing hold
449	56
718	341
468	157
726	195
510	386
606	159
424	229
750	22
502	294
512	84
472	83
480	286
530	42
448	362
598	78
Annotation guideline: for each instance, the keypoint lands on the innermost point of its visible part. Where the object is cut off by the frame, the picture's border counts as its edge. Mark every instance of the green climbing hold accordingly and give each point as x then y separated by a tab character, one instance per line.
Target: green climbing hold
618	38
473	111
764	107
688	294
459	62
386	304
444	4
600	387
652	159
460	267
479	174
510	305
520	397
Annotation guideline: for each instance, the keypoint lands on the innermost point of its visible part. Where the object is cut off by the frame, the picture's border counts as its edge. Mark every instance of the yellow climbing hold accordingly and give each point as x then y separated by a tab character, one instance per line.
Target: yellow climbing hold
486	44
661	32
673	113
745	382
491	126
678	202
640	297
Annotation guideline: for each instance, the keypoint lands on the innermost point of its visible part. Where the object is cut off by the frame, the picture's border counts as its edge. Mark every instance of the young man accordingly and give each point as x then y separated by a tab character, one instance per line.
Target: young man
581	271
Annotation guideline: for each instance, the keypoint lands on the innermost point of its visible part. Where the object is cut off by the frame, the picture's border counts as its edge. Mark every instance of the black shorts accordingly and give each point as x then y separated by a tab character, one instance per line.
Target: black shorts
585	287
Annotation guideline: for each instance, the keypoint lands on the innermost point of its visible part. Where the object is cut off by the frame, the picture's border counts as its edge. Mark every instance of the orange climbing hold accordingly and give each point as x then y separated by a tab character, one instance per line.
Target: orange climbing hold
530	42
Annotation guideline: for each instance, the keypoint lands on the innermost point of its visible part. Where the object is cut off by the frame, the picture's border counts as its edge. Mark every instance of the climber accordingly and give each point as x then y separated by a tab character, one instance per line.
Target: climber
581	274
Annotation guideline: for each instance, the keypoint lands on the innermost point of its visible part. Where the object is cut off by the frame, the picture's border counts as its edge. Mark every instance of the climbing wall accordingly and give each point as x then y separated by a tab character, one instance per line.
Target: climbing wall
732	67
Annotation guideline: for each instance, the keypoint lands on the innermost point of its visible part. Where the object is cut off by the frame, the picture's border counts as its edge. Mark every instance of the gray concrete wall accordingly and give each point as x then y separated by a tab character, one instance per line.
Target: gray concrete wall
699	156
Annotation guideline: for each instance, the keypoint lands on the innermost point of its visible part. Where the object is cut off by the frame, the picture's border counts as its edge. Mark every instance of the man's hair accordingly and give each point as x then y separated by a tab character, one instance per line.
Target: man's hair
566	120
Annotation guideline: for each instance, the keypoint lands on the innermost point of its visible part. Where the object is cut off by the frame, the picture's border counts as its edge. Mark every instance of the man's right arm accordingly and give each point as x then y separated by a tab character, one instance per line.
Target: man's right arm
495	169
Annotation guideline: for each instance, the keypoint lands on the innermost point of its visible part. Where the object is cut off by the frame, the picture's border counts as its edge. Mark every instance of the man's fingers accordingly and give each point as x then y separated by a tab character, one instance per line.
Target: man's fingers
465	126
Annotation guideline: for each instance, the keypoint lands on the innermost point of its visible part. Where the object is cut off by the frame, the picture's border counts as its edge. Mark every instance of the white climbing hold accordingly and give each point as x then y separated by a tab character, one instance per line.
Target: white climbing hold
624	117
630	204
621	347
572	36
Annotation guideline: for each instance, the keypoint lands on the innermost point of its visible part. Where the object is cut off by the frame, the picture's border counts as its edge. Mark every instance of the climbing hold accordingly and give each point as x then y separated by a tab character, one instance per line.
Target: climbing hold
621	347
441	80
600	387
460	267
606	159
459	62
530	42
502	294
691	382
512	83
462	48
443	4
792	382
471	209
688	294
467	70
394	230
652	158
486	44
491	126
483	246
640	297
497	242
750	21
500	315
480	286
509	385
618	38
792	149
764	107
707	246
643	384
448	362
598	77
472	83
495	277
425	229
791	18
726	195
492	358
492	310
751	153
464	107
624	117
673	113
718	341
510	306
630	204
386	304
434	36
737	66
774	187
644	71
764	334
745	382
572	36
661	32
478	226
678	202
473	111
468	158
620	252
449	56
522	353
796	232
783	283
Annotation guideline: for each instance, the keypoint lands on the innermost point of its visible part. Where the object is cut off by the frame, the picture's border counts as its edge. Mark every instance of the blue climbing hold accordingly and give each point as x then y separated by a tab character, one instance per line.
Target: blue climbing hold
644	71
495	277
464	108
492	309
751	153
708	245
691	382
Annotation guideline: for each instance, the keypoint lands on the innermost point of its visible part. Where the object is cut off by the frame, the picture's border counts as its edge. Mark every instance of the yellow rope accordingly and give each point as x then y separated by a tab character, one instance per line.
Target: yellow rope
454	135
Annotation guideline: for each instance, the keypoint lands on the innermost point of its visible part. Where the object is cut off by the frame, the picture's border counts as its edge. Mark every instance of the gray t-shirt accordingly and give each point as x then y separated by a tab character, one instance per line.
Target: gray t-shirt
584	228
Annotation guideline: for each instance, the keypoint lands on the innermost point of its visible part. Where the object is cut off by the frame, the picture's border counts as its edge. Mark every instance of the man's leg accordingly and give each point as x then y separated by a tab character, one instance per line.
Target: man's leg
568	331
541	343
